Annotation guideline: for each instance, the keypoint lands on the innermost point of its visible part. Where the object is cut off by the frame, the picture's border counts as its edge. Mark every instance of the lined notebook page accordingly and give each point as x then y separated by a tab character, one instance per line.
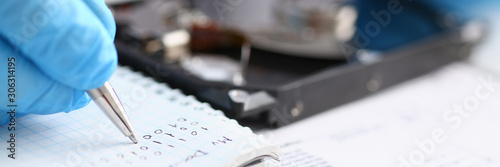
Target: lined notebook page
172	129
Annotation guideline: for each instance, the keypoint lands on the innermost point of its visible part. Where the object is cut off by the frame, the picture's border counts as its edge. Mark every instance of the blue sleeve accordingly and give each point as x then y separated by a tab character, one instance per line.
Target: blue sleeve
385	24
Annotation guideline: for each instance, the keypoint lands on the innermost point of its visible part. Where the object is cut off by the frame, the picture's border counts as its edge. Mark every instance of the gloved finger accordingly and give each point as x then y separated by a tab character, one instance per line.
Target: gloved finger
64	39
34	92
102	12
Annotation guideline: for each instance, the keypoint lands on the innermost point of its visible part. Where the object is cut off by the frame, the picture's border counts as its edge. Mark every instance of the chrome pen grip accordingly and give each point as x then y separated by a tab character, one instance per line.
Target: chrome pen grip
107	100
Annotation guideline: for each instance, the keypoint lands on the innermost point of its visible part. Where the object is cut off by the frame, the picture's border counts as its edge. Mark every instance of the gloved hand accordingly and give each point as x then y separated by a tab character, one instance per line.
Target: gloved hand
61	48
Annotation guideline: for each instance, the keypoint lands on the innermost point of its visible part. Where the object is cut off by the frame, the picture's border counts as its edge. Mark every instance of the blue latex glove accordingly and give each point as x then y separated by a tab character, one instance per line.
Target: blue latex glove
61	48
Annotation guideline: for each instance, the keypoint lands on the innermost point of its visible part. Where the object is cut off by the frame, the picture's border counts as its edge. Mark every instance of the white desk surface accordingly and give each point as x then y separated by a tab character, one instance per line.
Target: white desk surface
383	130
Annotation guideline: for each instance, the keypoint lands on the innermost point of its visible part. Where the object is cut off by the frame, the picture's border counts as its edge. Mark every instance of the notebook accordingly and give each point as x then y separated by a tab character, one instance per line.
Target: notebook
173	130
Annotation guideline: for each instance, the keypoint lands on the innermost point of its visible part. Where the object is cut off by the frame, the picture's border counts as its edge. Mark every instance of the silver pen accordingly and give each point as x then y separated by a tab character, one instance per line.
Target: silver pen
105	97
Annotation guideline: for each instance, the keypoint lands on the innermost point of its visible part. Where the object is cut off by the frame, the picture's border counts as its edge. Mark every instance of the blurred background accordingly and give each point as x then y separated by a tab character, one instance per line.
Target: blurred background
332	82
289	56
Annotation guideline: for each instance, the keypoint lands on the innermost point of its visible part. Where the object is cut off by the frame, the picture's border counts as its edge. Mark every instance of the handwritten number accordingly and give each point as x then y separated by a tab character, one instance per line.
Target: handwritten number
147	137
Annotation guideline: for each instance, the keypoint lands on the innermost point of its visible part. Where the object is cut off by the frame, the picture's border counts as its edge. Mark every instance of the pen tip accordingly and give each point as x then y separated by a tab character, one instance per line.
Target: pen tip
132	137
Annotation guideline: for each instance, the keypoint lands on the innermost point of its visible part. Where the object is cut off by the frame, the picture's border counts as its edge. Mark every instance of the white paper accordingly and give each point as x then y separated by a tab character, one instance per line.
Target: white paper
172	130
382	130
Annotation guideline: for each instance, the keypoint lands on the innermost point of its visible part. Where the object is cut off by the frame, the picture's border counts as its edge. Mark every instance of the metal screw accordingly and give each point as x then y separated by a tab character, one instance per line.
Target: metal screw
238	96
372	85
297	110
